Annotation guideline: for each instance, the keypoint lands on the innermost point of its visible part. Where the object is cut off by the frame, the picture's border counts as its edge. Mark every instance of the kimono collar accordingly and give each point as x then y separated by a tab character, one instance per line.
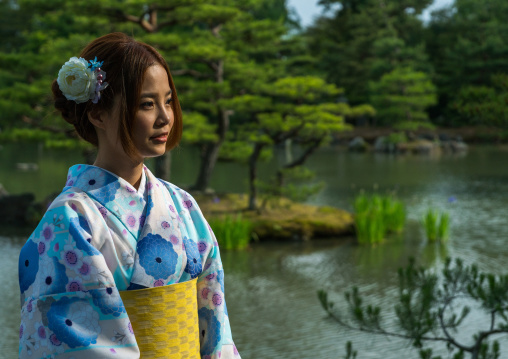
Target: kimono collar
142	186
116	194
92	179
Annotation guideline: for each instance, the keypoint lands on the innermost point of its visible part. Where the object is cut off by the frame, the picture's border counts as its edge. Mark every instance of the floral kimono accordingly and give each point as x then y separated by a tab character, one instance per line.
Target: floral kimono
101	236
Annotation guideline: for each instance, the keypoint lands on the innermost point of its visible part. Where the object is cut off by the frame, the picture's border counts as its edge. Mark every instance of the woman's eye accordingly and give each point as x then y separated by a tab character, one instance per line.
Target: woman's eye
168	101
148	104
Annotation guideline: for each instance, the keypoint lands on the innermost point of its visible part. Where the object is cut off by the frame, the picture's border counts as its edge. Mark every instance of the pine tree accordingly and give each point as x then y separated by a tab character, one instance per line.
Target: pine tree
433	308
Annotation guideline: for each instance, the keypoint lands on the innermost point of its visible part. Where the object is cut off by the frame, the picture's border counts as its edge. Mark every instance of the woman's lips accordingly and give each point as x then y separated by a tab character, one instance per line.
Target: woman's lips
160	138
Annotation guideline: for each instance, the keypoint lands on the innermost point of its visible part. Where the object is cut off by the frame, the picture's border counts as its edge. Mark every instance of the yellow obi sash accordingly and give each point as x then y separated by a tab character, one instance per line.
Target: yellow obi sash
165	320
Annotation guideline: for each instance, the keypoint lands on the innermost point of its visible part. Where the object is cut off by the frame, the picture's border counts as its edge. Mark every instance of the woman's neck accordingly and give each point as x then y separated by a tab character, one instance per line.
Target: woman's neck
127	168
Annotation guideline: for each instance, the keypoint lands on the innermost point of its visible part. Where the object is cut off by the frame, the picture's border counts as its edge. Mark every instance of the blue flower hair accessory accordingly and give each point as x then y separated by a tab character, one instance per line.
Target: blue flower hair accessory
81	80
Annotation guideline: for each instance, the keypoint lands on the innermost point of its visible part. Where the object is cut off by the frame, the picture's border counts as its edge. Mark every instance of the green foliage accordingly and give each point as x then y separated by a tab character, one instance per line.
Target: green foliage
437	226
484	105
467	44
370	227
402	95
350	353
198	129
443	231
413	126
300	109
363	40
25	134
47	138
376	216
297	186
232	232
217	52
430	222
435	308
396	138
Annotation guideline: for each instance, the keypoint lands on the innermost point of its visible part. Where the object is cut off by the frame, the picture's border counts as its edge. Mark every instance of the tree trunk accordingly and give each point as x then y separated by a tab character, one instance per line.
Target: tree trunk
287	147
210	152
163	166
208	160
253	162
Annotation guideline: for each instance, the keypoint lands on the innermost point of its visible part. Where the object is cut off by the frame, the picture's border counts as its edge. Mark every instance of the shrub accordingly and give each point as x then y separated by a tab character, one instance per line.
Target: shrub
376	216
437	226
232	232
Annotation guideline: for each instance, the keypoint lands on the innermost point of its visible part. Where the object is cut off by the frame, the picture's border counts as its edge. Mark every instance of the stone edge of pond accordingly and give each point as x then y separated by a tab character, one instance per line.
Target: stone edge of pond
286	221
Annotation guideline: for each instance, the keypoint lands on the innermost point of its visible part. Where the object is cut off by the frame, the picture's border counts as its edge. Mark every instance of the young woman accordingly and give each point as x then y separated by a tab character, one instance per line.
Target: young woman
122	265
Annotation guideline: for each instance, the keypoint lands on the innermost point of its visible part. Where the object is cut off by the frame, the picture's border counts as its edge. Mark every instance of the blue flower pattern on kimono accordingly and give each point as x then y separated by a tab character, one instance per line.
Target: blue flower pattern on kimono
108	300
53	278
193	266
208	319
83	252
74	322
157	256
107	193
78	229
28	265
149	207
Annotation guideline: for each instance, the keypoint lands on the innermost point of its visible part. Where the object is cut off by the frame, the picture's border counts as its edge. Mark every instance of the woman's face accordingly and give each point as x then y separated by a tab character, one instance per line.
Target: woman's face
154	118
151	126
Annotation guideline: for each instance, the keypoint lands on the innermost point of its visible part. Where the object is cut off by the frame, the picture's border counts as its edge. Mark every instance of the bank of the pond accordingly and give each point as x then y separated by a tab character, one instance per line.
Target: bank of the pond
470	134
286	220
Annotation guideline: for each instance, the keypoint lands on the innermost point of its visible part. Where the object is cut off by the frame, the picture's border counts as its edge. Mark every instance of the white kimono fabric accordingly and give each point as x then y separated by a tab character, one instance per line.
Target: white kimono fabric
100	236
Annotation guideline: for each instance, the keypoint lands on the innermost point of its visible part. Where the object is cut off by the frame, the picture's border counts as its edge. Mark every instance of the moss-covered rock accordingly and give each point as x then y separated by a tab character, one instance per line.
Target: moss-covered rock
287	220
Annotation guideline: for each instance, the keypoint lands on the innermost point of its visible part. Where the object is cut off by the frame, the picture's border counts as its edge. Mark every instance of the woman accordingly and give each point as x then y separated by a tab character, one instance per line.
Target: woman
108	271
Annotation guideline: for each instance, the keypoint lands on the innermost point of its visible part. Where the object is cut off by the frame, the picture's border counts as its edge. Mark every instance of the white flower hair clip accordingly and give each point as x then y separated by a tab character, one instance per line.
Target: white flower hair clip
81	80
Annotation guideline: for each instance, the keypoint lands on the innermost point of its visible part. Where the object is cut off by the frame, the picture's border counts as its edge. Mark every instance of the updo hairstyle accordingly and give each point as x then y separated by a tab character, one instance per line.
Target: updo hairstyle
125	62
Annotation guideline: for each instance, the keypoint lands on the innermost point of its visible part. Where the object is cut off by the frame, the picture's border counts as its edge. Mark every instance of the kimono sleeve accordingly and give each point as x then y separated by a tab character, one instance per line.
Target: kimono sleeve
215	331
70	306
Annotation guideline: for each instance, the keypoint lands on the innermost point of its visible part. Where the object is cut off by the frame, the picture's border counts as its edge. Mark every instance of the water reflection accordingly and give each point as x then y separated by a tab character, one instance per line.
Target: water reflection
9	307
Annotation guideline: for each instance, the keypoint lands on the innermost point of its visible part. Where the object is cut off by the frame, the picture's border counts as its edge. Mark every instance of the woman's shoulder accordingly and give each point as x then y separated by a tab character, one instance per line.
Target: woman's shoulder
181	198
70	197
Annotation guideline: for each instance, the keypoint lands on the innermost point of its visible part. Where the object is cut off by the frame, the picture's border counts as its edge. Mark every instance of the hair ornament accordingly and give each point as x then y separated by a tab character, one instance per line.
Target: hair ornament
81	80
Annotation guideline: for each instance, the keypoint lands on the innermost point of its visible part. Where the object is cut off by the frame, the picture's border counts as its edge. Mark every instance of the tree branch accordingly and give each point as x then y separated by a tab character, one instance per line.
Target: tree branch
301	160
167	23
190	72
283	136
448	336
216	30
119	14
212	65
382	331
32	122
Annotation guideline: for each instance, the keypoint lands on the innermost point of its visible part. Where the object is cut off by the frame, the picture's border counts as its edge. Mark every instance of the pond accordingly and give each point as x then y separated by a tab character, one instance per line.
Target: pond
271	289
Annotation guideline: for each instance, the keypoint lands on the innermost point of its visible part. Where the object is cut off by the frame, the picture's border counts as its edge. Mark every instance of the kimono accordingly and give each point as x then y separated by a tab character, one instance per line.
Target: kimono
101	236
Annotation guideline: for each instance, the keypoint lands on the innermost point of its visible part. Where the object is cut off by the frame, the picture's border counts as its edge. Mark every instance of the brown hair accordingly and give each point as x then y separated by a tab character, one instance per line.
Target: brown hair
125	62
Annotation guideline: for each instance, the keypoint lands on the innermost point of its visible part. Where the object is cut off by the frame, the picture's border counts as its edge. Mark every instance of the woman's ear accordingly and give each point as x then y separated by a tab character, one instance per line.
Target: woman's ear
97	119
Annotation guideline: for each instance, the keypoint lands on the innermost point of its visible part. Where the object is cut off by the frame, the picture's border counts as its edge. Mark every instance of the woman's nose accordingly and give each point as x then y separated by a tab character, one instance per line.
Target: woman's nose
165	115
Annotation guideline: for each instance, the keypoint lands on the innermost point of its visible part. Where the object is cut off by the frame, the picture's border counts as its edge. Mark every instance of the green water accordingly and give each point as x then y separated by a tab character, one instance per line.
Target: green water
271	289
